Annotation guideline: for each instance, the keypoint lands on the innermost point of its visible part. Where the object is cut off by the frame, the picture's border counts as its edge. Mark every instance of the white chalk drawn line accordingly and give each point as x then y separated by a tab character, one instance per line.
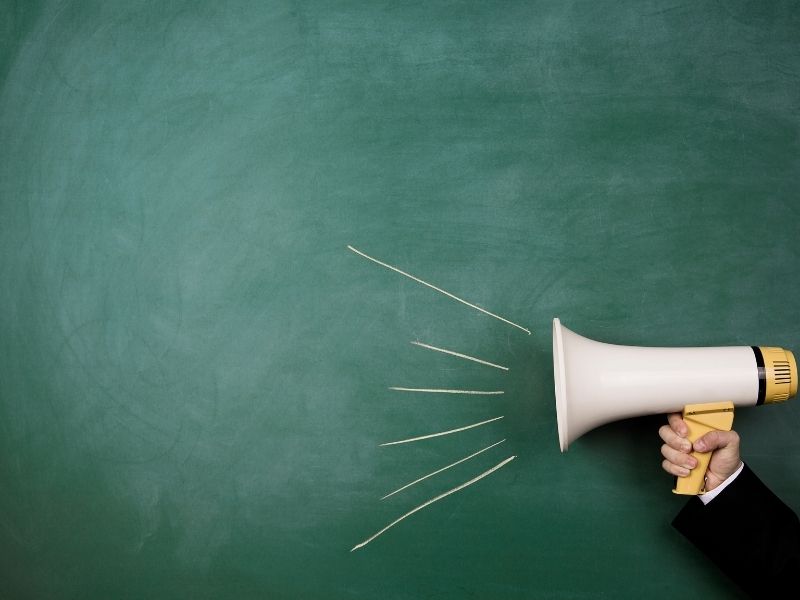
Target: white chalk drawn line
445	391
458	462
459	355
436	499
432	435
438	289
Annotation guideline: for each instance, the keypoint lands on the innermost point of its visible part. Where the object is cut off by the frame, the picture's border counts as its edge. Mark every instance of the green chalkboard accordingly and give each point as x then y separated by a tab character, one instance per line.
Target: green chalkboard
195	370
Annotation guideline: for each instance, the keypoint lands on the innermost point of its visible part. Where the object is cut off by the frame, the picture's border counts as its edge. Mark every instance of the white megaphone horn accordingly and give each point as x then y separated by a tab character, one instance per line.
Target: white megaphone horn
597	383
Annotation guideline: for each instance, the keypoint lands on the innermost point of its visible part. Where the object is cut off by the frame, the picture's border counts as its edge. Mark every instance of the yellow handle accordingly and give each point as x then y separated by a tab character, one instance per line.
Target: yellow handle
700	419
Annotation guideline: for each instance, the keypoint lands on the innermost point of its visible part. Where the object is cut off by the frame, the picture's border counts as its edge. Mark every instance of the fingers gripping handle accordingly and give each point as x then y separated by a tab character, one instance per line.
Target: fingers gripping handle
700	419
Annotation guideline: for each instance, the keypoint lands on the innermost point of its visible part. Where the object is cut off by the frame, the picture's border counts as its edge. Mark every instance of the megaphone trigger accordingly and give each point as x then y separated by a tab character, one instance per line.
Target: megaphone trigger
700	419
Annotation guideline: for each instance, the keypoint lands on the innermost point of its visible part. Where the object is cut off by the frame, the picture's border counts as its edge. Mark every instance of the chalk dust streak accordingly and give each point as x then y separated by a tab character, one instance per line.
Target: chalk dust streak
432	435
458	462
459	355
438	289
436	499
444	391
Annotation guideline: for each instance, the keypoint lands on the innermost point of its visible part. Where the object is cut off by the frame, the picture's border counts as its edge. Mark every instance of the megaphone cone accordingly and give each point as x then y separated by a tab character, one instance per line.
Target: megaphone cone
596	383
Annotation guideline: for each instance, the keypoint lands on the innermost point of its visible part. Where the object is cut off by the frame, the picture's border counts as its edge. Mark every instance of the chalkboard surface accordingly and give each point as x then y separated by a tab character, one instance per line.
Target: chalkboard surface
195	370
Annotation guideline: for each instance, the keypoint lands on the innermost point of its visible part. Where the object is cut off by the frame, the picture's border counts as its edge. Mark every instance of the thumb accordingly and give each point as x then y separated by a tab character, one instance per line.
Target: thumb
715	440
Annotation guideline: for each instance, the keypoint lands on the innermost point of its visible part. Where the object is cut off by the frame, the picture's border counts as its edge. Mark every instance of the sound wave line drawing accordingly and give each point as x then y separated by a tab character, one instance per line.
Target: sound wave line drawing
444	391
458	462
433	435
432	500
438	289
459	355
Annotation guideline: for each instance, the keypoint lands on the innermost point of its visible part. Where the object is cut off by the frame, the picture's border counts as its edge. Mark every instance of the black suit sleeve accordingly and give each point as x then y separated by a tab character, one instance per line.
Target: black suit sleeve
749	533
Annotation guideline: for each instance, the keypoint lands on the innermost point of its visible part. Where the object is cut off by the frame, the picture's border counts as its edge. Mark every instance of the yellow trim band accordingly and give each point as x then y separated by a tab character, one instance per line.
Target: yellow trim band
780	370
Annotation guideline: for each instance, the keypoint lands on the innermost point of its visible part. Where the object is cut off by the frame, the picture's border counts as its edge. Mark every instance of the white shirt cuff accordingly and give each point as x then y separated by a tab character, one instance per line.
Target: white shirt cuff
709	496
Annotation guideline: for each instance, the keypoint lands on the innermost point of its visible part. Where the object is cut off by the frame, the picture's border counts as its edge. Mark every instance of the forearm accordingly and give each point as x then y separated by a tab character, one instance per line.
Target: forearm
748	532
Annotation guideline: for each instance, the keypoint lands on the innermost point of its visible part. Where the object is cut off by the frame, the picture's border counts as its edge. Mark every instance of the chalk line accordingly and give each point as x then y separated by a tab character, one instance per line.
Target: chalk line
440	290
432	435
443	391
436	499
458	354
458	462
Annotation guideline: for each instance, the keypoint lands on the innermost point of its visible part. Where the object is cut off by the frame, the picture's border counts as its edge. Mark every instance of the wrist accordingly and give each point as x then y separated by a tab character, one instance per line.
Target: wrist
712	493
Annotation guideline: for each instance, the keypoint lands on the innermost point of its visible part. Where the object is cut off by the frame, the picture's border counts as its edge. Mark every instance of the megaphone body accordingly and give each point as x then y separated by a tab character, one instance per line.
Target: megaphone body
597	383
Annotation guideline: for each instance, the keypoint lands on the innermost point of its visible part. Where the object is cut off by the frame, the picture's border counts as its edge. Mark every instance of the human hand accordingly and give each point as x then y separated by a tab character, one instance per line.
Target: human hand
724	446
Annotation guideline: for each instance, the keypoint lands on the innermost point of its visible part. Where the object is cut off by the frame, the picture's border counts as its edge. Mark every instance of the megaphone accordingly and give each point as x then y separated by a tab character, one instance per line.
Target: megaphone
597	383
